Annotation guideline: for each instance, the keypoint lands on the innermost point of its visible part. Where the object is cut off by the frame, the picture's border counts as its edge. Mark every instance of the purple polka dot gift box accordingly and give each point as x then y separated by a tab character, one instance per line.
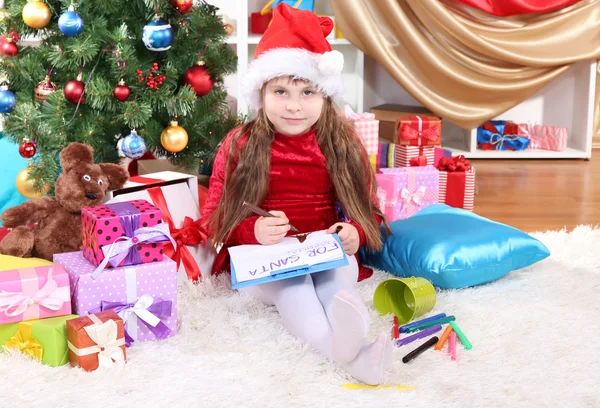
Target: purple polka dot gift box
127	233
404	191
143	295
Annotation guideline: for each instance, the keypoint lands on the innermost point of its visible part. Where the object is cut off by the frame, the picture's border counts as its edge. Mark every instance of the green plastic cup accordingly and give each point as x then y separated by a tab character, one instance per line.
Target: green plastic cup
406	298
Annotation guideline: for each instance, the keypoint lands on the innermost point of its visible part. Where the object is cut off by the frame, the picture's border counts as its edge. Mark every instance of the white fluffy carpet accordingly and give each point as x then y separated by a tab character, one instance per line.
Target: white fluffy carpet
535	335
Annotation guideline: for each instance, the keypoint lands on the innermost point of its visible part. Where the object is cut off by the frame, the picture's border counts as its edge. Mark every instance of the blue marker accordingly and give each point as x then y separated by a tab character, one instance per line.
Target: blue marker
403	329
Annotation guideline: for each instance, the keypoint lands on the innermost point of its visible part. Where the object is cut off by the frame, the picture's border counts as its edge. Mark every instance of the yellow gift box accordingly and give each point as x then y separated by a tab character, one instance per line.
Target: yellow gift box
8	263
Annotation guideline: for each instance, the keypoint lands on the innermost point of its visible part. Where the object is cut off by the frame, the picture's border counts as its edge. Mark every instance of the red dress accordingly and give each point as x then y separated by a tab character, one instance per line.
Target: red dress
299	185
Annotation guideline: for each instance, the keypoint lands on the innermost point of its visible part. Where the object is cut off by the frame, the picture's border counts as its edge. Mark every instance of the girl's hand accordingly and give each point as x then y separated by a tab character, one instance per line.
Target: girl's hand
271	230
348	235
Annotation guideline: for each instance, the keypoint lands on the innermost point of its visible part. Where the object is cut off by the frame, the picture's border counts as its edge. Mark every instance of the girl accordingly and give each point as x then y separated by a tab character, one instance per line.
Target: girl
297	159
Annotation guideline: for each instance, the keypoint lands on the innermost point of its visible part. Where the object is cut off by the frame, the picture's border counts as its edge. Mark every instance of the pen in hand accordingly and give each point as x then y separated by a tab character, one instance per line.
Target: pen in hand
260	211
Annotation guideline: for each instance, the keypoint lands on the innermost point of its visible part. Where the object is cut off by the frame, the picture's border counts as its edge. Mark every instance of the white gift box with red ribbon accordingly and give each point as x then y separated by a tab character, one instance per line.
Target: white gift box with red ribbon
176	195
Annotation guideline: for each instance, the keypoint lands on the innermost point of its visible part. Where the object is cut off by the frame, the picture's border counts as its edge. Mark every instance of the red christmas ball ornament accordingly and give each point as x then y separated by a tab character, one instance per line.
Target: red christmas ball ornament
27	149
9	48
74	90
183	6
122	91
199	79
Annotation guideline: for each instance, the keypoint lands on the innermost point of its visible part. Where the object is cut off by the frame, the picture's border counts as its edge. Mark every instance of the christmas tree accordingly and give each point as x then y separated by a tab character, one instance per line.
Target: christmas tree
122	76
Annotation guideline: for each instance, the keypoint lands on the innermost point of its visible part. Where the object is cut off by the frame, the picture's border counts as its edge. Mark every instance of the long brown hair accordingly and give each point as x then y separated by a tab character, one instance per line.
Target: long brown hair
347	163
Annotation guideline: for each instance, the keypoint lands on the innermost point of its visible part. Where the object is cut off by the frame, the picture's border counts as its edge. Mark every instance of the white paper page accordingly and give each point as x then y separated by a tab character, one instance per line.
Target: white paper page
257	261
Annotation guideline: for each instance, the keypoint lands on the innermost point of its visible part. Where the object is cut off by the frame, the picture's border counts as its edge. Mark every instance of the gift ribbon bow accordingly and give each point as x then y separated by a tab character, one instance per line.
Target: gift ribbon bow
108	346
146	309
25	342
350	114
121	247
415	197
454	164
50	296
416	136
189	234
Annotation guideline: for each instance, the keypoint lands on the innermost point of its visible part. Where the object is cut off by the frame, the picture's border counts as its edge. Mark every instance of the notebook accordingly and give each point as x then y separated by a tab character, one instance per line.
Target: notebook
257	264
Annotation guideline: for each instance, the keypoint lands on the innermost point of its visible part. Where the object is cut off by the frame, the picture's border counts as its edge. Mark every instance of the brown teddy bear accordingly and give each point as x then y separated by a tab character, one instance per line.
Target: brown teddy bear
58	219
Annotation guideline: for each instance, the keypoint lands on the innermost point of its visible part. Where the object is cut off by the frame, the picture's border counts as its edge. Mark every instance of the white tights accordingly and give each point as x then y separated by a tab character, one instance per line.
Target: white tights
325	310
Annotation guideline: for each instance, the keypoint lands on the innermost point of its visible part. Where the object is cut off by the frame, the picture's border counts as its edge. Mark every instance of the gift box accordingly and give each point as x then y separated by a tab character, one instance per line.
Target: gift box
419	130
457	182
544	137
44	339
127	233
410	156
439	153
96	341
387	115
144	295
34	293
176	195
259	22
501	135
367	128
299	4
403	192
382	155
373	162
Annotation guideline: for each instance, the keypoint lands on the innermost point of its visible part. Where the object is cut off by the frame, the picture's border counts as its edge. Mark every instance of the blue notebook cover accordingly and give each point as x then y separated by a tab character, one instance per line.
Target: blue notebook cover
297	270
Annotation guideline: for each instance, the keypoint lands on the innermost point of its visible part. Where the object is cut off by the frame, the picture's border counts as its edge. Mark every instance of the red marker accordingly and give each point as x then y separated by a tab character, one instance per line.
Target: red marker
395	329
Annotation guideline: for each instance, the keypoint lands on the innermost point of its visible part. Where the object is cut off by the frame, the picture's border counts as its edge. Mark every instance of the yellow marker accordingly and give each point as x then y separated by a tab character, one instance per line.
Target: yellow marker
377	387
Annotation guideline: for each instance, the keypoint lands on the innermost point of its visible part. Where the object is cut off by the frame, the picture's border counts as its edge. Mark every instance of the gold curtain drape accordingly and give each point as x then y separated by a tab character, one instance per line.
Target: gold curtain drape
463	64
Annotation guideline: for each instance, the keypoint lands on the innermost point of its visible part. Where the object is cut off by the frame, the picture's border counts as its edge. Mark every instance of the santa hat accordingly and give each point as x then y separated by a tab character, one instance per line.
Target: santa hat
295	45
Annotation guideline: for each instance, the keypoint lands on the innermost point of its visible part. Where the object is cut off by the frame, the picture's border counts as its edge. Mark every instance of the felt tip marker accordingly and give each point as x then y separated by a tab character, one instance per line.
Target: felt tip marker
461	336
403	329
425	325
413	354
419	335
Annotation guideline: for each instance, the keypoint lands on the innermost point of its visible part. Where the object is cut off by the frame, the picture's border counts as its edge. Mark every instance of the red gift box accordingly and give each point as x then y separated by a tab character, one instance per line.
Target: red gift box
457	182
419	130
259	22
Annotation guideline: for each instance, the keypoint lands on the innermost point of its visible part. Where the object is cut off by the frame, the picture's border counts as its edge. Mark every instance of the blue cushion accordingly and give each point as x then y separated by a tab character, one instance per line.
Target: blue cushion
11	163
454	248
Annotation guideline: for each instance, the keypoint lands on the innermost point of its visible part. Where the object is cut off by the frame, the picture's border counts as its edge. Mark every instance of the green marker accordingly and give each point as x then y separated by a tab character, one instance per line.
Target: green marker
426	325
463	339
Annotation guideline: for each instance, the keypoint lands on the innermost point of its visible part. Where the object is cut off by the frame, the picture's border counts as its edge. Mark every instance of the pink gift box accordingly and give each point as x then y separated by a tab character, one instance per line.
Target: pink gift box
34	293
544	137
403	154
103	225
404	191
367	128
148	287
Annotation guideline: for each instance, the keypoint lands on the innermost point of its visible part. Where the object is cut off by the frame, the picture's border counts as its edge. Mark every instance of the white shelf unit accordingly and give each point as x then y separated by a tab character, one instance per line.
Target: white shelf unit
244	43
567	101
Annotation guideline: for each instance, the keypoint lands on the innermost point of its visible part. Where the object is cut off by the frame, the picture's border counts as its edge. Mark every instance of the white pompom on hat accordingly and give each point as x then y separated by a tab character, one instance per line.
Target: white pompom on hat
295	45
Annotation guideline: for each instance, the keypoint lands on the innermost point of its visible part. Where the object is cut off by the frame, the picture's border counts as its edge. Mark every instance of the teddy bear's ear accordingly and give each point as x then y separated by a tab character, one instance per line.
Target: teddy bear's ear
117	175
76	154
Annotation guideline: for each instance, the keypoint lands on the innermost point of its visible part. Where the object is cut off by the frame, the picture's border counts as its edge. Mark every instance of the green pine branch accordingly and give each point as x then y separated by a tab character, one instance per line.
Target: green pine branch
109	49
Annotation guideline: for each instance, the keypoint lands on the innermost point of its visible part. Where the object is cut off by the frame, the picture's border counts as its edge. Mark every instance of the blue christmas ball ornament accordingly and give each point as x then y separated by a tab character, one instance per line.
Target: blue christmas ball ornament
70	23
158	35
133	146
8	100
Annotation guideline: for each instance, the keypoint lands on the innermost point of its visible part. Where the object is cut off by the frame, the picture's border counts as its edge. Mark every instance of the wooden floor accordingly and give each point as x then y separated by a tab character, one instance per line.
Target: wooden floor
539	195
